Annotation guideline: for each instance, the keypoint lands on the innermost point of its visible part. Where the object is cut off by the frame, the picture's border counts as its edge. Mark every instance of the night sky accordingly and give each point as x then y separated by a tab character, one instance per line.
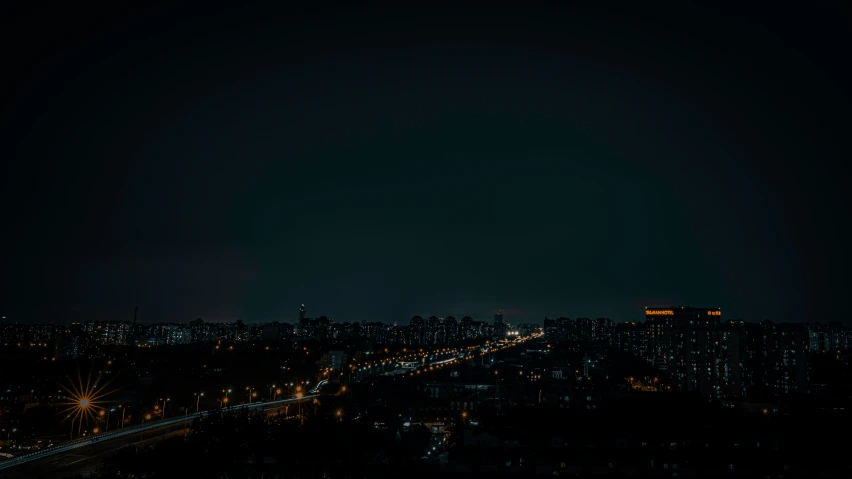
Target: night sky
381	163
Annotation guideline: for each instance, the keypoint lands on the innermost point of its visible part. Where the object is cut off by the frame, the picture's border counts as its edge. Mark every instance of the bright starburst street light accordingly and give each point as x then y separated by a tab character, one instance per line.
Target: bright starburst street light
84	400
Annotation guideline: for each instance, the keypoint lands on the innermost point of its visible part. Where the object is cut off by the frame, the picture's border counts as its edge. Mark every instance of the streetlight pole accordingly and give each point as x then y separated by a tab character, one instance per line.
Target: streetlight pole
142	429
197	400
299	396
163	409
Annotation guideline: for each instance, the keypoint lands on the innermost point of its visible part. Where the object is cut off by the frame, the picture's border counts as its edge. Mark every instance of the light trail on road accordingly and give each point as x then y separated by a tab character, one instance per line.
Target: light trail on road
79	444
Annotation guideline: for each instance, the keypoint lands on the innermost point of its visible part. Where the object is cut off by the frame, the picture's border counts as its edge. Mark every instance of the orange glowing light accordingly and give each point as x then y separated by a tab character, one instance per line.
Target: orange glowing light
85	399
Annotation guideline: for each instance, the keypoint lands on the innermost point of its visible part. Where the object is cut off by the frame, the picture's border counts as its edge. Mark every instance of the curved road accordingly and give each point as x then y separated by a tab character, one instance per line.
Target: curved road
69	453
83	451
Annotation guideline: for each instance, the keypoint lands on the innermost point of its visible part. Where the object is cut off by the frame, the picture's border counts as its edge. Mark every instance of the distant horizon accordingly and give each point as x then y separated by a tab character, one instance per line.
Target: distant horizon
295	321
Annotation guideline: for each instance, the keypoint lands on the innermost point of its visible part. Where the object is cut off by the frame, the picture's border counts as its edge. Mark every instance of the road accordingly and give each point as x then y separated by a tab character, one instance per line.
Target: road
75	462
74	456
415	362
79	454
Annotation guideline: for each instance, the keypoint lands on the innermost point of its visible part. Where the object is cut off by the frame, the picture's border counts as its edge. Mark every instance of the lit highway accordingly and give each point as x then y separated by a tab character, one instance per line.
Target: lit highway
82	451
69	453
421	361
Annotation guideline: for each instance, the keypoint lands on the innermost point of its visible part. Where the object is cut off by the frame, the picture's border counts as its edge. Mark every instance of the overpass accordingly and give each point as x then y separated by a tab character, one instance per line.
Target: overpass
78	444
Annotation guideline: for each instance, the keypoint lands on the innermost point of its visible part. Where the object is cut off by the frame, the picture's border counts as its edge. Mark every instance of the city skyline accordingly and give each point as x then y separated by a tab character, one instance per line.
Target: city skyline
510	316
347	240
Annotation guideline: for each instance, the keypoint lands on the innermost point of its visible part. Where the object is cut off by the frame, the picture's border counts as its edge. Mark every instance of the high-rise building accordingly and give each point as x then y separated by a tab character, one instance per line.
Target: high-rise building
175	334
417	328
449	330
550	328
466	328
499	330
630	338
376	332
696	351
602	330
271	332
784	352
336	359
433	325
66	345
666	325
525	329
584	329
109	333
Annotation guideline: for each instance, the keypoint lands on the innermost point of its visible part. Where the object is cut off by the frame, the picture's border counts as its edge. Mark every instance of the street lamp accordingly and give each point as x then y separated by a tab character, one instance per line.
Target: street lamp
109	413
197	400
146	417
163	409
80	408
299	396
122	415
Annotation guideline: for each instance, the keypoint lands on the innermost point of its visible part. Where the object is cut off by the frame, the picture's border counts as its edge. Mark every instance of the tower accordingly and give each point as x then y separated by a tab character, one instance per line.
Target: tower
302	312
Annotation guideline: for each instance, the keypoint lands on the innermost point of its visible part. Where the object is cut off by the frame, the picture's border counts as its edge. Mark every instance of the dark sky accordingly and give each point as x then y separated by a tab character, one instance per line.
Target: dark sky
377	163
